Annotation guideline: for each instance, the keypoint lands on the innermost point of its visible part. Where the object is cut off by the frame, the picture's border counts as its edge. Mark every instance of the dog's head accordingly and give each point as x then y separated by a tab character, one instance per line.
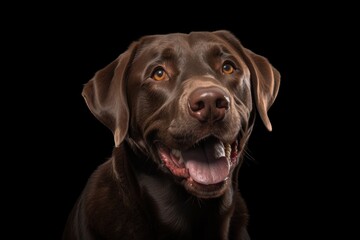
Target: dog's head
188	101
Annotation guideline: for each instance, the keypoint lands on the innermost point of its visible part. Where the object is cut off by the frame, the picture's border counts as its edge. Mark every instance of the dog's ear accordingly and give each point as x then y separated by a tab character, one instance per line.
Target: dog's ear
105	95
265	79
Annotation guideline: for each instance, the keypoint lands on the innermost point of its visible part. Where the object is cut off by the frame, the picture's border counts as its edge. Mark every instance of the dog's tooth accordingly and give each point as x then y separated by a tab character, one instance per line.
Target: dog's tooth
181	160
228	147
176	153
219	150
227	150
176	157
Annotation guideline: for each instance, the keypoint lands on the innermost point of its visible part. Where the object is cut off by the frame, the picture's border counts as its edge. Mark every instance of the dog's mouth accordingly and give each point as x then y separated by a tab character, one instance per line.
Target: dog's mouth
205	167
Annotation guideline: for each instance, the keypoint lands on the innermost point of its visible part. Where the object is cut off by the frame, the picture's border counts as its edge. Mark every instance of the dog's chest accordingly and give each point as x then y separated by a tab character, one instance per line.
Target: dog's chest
173	210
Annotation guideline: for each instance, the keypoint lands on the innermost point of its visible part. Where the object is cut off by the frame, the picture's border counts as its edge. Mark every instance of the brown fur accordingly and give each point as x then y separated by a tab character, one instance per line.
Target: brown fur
138	195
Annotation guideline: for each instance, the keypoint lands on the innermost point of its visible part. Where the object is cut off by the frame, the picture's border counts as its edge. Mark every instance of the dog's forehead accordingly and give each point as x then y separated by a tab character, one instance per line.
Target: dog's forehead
181	37
180	42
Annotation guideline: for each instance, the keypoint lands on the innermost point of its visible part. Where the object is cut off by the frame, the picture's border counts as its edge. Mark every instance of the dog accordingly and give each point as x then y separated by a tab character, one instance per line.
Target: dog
181	108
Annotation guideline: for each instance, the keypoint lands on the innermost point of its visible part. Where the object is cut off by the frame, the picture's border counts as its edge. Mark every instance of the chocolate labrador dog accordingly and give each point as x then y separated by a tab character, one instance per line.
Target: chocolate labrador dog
181	108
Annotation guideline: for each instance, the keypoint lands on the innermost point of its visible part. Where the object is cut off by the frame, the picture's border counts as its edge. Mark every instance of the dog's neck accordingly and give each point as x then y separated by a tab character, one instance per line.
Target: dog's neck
160	196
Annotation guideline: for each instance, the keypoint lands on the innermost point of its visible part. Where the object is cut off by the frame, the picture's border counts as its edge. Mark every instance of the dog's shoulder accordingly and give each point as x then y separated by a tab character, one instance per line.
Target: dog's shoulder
104	189
107	202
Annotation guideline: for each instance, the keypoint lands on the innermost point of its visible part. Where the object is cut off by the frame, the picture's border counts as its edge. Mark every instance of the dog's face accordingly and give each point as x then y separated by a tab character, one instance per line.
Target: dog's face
188	101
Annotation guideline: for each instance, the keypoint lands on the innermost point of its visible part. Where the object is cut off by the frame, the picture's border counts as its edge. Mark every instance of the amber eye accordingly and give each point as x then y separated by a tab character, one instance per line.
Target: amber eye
159	74
228	68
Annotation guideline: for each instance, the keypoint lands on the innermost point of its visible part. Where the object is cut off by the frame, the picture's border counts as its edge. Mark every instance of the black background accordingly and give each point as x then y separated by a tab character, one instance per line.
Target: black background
57	51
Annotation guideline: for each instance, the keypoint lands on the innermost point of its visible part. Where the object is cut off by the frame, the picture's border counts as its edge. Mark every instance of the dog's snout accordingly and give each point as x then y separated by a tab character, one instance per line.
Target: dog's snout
208	104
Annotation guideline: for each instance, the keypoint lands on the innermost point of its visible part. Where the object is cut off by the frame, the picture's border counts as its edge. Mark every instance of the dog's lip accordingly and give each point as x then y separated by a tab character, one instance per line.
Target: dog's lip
205	191
177	168
214	170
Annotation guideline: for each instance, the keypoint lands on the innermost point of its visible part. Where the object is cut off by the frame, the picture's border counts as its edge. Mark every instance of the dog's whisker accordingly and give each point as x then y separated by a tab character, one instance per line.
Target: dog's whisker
199	202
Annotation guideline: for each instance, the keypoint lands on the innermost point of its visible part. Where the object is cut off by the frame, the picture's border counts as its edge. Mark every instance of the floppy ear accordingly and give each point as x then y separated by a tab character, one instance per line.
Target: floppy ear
105	95
265	79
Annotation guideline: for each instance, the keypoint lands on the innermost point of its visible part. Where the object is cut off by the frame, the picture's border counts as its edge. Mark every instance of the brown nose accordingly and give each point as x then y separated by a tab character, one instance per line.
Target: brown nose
208	104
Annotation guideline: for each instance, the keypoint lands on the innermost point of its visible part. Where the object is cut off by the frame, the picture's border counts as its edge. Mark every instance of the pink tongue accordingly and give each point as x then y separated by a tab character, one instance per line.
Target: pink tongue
207	163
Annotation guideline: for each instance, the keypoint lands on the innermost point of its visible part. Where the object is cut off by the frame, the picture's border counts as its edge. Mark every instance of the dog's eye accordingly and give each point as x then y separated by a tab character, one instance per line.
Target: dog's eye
159	74
228	68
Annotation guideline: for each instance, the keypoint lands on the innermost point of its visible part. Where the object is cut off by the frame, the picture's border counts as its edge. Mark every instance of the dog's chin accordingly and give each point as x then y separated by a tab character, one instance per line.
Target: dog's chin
205	191
205	169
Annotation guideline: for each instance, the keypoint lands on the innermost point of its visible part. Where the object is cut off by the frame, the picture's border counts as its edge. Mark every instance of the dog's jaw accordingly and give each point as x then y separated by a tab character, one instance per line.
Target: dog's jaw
204	169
